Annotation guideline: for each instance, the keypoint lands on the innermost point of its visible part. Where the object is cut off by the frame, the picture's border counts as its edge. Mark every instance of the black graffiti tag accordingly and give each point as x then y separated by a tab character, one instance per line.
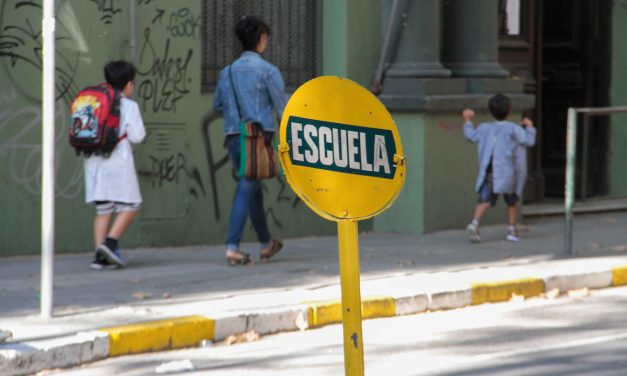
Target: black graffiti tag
165	83
21	47
183	23
168	169
108	10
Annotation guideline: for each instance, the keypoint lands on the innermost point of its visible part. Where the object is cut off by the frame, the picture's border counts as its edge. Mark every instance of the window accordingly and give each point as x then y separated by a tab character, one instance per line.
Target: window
510	24
292	45
513	18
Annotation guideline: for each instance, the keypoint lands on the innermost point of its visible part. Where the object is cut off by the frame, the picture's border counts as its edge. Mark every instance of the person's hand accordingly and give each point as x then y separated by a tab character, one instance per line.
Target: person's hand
468	115
527	122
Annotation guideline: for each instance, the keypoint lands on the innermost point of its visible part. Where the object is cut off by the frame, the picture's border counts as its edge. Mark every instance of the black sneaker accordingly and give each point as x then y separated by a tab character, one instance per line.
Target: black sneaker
100	262
112	256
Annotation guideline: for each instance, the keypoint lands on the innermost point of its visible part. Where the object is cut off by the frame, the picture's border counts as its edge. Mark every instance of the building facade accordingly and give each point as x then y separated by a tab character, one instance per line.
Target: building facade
432	58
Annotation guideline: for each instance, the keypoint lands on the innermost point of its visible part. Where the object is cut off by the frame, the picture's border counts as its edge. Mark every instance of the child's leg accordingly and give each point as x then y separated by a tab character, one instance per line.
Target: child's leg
124	217
512	214
120	224
101	226
486	199
480	209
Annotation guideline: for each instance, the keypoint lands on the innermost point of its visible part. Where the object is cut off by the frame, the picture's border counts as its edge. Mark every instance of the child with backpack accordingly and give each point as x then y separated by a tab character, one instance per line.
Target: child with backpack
498	145
110	178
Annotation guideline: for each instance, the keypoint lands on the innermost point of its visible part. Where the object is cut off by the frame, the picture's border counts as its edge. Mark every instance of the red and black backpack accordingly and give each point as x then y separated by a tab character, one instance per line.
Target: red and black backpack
95	121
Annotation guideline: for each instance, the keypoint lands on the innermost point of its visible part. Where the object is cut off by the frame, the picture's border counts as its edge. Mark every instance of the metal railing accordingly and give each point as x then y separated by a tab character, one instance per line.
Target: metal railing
571	153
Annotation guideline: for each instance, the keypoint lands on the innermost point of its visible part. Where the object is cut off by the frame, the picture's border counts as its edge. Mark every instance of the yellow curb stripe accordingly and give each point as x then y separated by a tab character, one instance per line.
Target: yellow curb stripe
323	313
159	335
330	312
619	276
503	290
381	306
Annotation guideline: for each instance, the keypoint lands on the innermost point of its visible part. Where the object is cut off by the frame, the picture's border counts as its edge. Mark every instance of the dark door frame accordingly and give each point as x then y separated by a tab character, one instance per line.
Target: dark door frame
581	53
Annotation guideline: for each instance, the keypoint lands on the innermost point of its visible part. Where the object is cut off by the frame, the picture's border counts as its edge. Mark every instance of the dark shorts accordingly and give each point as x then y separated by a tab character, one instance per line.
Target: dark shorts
486	194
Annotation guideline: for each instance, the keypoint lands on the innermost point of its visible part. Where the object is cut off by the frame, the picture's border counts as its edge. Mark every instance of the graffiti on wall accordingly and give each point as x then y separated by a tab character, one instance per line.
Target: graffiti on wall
21	46
183	23
170	168
20	98
164	77
23	152
163	82
108	9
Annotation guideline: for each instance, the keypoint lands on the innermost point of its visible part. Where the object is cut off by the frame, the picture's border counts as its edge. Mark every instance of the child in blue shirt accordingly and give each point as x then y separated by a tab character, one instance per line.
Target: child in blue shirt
497	144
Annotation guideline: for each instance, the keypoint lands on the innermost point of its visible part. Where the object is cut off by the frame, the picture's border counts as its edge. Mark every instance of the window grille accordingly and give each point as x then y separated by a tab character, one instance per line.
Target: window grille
292	46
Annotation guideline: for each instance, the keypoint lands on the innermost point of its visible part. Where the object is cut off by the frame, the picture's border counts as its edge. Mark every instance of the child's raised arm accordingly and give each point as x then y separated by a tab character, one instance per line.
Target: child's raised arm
470	131
528	136
468	114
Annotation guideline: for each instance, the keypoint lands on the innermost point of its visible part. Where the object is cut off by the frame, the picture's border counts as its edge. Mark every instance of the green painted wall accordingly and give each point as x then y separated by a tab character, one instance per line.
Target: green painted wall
618	93
407	214
186	201
450	172
334	38
364	35
351	38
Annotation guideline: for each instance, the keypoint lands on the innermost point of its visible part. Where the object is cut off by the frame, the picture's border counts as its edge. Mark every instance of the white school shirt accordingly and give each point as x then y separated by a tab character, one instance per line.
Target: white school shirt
114	178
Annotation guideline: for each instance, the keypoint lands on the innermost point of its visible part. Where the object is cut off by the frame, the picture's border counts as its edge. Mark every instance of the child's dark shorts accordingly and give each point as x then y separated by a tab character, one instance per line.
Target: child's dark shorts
486	194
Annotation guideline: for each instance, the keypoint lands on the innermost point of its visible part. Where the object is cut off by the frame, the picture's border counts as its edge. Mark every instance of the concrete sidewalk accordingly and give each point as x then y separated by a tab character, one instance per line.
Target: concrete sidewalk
178	297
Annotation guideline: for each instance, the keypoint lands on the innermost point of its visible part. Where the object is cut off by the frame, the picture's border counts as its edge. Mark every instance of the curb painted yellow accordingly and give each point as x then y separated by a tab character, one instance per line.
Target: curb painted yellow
159	335
619	276
503	290
330	312
381	306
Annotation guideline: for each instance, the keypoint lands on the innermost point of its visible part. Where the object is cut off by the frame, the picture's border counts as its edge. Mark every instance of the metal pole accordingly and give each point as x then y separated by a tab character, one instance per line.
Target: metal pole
47	162
132	24
571	153
569	186
351	297
584	155
391	34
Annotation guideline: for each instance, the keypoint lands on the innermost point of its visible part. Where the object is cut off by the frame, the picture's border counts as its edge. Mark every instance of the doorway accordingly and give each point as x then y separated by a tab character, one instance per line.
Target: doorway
575	73
561	49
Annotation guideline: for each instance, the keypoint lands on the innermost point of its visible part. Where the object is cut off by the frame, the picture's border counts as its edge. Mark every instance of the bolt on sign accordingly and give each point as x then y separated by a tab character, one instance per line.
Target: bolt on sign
342	155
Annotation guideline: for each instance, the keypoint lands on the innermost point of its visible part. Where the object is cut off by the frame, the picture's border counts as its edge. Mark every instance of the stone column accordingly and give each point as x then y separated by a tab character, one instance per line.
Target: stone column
416	52
415	72
471	38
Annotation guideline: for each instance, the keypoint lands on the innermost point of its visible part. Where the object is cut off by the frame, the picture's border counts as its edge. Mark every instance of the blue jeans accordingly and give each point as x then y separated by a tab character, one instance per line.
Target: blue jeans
248	200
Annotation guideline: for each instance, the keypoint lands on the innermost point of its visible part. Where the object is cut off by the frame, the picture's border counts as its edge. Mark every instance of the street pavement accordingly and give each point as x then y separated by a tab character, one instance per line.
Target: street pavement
177	297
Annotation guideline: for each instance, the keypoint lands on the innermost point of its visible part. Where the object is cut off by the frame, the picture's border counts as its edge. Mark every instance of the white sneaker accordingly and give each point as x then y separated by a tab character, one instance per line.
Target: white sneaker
473	233
512	236
5	335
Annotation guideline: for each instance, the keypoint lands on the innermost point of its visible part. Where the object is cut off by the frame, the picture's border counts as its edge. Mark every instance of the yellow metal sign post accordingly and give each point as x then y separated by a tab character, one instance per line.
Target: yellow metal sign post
351	297
342	155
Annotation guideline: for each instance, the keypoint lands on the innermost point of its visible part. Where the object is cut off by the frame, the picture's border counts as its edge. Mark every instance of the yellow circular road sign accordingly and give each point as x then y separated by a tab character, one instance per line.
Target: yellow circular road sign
340	149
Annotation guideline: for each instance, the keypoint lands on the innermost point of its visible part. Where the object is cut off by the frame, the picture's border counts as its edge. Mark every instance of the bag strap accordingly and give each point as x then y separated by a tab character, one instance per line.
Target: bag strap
239	112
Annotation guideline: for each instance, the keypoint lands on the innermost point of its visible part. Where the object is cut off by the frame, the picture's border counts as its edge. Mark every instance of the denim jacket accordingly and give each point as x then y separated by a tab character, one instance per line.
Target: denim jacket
498	142
260	93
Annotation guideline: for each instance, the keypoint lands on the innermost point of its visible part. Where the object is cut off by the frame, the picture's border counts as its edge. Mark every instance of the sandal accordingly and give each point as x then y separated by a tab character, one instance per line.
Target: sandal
273	249
234	258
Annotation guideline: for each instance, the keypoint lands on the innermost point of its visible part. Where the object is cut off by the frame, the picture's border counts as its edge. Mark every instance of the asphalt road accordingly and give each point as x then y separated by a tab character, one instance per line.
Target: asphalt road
583	333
